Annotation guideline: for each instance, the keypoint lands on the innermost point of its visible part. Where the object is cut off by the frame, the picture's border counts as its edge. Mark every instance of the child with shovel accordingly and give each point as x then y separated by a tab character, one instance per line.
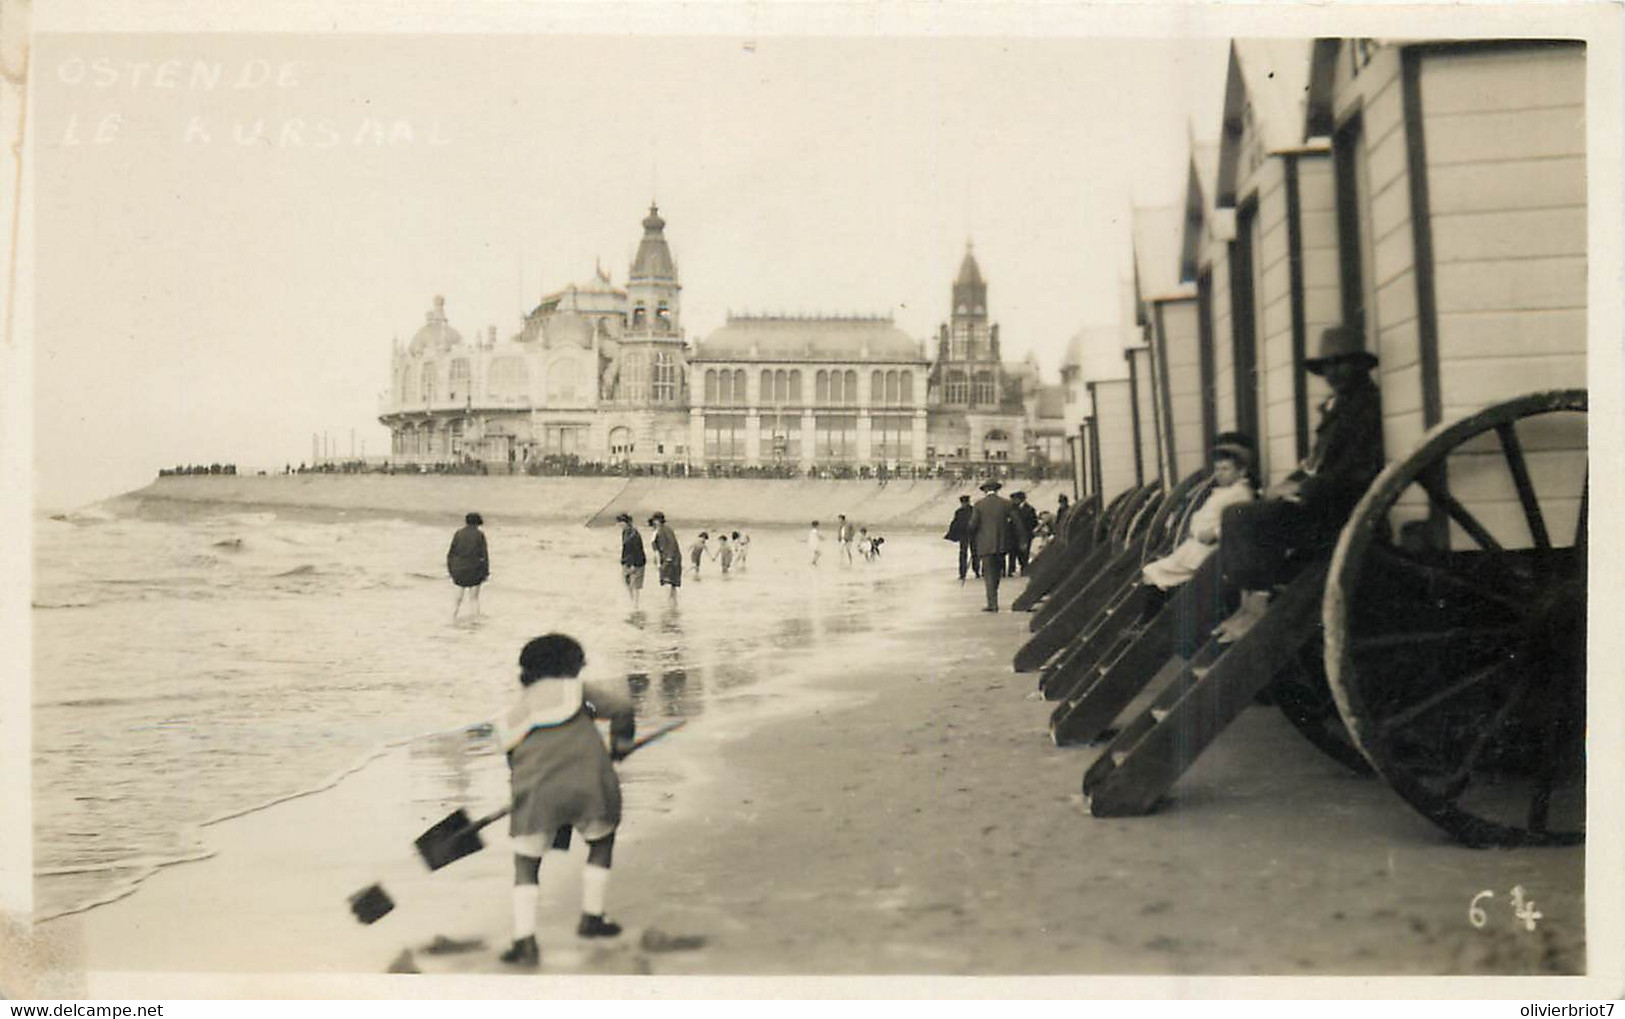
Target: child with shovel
563	780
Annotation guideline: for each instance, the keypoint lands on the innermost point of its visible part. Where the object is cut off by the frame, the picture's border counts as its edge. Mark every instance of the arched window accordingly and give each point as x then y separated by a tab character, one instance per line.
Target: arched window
983	395
956	388
765	395
877	388
905	389
795	385
850	396
665	377
663	315
506	377
620	440
638	315
740	394
428	382
893	395
458	384
821	392
710	386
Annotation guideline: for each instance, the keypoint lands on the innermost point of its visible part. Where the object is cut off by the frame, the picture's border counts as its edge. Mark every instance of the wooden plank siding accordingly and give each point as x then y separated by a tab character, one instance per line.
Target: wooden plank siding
1322	307
1224	376
1114	417
1505	133
1147	419
1182	336
1387	244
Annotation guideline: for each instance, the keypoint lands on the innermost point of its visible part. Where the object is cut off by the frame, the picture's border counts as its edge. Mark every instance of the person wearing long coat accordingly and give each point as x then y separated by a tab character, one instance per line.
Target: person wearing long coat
468	560
1306	510
959	531
994	526
670	552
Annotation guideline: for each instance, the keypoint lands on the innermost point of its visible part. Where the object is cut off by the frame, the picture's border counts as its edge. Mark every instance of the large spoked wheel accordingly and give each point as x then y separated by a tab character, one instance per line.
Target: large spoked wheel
1455	636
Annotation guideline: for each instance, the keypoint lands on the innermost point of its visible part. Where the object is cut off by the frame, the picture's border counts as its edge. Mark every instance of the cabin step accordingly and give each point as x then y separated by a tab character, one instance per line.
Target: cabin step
1150	755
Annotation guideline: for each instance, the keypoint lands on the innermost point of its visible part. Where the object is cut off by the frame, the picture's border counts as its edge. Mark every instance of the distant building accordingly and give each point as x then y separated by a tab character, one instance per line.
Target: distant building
975	415
608	375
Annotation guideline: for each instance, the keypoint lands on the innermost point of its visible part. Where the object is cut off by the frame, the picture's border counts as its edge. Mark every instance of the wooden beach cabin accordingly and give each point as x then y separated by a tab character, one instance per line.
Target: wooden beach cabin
1461	211
1268	276
1453	608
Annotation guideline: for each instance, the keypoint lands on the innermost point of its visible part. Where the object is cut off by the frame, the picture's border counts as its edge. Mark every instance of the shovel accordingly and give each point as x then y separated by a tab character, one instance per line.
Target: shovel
455	836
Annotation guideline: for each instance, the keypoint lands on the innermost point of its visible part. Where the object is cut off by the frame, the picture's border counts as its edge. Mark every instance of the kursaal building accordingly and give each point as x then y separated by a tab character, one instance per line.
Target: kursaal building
607	374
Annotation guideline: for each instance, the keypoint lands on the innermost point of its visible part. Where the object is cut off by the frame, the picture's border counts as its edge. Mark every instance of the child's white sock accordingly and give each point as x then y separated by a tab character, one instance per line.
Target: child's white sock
594	883
525	898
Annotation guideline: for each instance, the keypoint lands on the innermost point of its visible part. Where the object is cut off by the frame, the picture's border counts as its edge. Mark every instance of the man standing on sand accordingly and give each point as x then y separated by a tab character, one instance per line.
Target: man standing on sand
993	524
469	562
670	553
959	531
633	559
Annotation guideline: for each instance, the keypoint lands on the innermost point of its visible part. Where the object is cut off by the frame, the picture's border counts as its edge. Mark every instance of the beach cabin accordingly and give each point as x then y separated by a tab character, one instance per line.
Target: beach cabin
1438	204
1165	309
1460	193
1267	278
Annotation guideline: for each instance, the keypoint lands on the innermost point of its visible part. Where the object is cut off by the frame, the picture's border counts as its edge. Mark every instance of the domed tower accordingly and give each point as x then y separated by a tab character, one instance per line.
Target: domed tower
652	288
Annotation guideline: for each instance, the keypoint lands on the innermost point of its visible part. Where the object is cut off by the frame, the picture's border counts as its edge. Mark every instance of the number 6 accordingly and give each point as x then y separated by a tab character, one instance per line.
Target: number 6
1475	915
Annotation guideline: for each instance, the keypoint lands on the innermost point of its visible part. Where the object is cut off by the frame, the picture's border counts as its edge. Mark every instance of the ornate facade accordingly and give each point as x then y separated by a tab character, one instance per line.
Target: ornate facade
607	374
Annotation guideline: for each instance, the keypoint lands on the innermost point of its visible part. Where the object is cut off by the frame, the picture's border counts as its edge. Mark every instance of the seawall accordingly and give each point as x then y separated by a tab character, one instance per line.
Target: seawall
695	502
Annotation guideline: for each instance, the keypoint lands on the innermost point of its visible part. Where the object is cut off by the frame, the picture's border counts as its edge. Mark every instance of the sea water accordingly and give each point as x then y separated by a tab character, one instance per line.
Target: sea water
194	662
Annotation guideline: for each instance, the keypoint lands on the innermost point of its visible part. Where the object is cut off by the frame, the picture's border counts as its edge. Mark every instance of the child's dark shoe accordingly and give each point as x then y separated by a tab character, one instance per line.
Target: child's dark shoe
595	926
523	952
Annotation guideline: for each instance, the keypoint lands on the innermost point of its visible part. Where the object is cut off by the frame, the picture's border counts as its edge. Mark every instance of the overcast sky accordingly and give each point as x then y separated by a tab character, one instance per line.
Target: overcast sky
228	243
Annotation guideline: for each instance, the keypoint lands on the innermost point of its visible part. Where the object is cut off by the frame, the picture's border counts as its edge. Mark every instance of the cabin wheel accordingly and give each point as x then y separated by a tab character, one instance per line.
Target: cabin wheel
1455	636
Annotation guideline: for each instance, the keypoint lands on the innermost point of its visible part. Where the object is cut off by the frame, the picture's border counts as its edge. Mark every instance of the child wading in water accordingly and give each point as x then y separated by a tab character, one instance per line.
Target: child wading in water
725	552
741	549
563	780
698	551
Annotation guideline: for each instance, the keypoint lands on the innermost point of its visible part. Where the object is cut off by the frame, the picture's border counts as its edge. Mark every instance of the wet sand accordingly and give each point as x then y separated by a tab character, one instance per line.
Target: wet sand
906	815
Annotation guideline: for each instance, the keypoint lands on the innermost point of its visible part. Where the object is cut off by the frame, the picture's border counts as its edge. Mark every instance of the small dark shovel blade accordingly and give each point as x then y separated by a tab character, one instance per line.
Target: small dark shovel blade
450	840
371	903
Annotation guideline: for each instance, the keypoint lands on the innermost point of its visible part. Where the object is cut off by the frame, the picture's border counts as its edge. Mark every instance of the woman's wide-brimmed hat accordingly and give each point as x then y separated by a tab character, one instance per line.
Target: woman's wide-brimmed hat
658	517
623	518
991	485
1237	444
1341	343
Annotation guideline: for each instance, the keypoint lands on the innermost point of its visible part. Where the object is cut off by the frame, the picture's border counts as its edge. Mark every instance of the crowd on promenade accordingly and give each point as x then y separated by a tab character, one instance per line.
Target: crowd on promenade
569	465
190	469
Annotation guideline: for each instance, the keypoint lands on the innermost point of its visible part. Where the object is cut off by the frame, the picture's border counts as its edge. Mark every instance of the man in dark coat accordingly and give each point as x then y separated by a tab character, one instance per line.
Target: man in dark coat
1307	509
1019	550
468	561
959	530
993	524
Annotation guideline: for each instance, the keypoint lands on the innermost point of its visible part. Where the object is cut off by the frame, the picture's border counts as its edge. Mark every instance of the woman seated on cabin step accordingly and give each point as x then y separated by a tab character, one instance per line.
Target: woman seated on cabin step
1232	485
1305	512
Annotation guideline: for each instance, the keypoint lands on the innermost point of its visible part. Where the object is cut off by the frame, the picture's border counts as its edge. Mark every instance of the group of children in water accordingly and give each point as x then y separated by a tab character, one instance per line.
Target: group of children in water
732	549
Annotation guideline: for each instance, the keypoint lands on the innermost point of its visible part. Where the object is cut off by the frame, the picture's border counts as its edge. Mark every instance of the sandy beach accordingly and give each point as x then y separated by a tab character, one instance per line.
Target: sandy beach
906	816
